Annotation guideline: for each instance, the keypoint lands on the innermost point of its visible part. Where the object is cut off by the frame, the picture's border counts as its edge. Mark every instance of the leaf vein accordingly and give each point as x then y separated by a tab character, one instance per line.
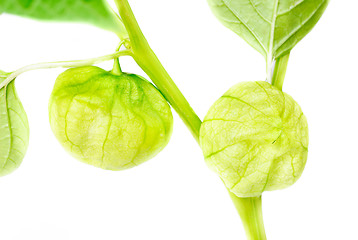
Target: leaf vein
290	9
259	12
284	40
246	25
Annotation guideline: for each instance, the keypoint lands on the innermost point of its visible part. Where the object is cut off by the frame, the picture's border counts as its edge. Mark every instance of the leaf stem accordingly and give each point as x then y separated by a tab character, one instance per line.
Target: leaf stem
148	61
269	69
119	29
64	64
250	211
279	72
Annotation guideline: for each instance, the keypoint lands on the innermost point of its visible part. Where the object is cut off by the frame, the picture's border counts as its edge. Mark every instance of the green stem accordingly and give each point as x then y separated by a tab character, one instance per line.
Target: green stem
250	210
279	73
63	64
269	69
117	70
148	61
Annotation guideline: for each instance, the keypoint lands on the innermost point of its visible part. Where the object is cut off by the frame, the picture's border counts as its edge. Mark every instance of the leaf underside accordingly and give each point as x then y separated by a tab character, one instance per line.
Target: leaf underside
95	12
272	27
14	130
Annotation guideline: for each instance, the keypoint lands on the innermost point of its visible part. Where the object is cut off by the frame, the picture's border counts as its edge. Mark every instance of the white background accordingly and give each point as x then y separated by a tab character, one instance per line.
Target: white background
175	196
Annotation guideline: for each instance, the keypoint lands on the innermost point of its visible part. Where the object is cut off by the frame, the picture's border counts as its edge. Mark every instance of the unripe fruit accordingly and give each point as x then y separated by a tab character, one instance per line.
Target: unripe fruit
256	138
110	121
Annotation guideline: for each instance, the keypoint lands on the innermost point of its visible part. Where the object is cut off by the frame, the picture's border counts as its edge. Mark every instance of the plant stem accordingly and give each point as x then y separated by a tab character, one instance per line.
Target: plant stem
269	69
64	64
148	61
279	73
117	70
250	210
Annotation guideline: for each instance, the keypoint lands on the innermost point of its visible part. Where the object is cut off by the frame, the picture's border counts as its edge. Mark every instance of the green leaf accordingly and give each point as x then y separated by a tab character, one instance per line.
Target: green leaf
95	12
14	129
272	27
